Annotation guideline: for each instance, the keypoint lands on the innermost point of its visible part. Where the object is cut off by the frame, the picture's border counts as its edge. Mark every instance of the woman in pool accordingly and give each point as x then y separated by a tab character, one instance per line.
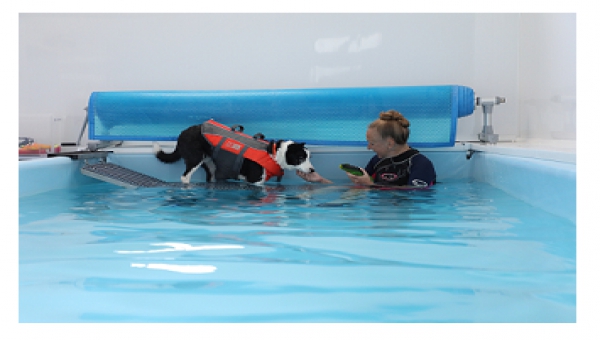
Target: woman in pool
395	163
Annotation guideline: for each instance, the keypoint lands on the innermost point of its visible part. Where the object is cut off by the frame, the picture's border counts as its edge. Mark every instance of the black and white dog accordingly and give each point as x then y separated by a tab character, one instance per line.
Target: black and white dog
228	154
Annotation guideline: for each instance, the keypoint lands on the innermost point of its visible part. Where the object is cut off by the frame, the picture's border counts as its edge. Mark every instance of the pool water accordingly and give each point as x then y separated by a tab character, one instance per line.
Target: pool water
459	252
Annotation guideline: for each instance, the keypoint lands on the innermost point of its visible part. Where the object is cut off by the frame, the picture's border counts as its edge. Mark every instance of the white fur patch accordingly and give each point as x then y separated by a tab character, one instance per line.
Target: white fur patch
186	179
262	178
280	155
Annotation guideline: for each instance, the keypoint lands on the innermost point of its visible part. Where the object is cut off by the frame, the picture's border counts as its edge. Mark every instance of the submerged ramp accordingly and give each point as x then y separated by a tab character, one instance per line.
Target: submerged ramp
118	175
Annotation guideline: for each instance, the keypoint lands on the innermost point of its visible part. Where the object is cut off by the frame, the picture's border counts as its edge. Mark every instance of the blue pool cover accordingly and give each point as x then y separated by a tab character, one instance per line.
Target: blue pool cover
323	116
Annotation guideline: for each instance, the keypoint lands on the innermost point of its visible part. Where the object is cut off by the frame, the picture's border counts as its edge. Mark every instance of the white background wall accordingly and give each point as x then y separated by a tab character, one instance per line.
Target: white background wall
527	58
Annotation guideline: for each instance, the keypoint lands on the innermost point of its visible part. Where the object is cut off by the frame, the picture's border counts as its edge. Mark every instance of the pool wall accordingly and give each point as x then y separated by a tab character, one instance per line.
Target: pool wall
45	174
545	183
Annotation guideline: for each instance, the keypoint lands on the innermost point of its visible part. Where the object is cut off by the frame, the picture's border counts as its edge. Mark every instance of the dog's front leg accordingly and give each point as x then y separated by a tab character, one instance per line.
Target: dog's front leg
190	168
187	176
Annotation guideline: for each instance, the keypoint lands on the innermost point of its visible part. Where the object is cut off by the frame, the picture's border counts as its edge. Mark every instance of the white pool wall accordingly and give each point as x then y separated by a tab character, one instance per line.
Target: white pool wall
546	184
45	174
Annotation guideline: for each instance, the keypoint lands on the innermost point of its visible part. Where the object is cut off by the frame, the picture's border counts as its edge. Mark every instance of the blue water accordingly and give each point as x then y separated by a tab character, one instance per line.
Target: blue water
460	252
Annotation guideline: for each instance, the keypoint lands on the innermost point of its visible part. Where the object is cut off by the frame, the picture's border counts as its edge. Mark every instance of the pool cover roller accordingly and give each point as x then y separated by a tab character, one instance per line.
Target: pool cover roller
322	116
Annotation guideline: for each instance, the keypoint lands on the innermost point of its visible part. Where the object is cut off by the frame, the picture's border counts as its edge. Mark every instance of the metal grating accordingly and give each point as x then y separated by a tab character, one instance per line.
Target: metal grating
118	175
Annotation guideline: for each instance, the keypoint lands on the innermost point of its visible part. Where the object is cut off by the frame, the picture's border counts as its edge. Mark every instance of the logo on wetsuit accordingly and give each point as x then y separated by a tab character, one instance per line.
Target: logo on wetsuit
399	176
389	177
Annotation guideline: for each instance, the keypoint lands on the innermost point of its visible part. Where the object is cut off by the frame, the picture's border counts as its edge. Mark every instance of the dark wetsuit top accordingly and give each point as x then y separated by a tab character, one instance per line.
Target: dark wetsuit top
408	168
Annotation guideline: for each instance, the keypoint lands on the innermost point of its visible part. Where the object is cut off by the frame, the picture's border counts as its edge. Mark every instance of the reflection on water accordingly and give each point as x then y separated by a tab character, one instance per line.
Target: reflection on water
461	251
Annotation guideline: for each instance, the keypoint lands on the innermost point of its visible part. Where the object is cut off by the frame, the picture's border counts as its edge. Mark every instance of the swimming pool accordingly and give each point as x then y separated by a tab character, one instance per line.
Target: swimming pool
480	246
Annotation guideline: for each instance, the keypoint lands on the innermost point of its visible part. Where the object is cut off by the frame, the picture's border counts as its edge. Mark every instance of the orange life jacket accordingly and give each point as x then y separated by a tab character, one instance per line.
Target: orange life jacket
230	147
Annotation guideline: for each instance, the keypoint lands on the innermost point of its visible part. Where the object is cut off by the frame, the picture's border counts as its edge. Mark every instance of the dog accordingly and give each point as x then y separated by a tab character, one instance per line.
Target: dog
225	153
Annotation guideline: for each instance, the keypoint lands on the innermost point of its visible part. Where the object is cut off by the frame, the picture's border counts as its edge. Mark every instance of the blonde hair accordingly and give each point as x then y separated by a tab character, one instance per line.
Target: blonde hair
392	124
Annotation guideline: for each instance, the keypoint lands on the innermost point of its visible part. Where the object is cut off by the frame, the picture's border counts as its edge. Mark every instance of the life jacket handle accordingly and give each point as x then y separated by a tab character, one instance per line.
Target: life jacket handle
237	126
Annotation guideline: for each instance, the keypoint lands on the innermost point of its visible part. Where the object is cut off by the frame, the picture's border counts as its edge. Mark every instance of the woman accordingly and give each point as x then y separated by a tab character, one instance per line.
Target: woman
395	163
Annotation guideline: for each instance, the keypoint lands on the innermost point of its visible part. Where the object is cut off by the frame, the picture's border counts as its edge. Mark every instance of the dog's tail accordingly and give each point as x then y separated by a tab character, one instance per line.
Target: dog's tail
166	157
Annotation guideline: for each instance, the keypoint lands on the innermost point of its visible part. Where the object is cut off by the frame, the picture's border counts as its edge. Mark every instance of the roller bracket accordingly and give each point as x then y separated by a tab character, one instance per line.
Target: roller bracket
487	134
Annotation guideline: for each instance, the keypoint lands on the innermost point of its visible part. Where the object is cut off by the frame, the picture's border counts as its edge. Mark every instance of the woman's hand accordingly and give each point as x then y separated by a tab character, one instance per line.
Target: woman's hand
312	177
365	179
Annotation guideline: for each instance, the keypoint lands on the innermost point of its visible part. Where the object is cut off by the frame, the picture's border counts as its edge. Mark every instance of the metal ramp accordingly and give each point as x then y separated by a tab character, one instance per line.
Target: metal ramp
119	175
96	166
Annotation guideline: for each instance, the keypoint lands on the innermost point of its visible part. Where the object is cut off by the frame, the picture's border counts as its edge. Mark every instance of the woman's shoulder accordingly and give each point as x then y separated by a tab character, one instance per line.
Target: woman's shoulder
417	156
422	169
421	159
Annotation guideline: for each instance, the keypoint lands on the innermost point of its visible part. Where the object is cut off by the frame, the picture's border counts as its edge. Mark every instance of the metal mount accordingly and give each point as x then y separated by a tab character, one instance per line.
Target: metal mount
94	145
487	134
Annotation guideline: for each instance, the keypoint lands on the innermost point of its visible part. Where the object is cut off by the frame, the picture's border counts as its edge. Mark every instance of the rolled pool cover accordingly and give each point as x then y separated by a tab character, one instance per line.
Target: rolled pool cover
321	116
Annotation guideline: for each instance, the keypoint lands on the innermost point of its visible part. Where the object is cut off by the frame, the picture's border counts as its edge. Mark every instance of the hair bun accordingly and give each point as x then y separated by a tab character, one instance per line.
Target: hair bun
394	116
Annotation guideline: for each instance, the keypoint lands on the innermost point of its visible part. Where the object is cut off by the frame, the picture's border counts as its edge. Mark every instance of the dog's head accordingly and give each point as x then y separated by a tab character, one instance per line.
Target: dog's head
293	156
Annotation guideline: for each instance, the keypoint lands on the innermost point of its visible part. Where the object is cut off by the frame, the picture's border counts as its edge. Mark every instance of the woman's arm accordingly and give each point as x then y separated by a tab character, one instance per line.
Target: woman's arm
313	177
